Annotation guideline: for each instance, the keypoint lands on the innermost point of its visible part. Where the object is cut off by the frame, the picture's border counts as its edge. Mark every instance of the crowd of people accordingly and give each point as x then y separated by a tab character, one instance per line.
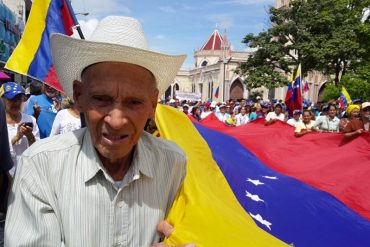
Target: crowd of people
322	117
128	179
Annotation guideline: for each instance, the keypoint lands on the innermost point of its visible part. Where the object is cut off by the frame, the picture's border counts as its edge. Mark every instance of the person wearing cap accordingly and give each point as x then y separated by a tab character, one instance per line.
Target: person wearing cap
206	110
295	120
22	128
111	183
275	115
329	121
222	115
44	108
357	125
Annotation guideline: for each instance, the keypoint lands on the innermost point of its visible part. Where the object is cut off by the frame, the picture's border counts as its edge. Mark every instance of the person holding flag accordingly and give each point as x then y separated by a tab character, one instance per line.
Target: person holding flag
110	183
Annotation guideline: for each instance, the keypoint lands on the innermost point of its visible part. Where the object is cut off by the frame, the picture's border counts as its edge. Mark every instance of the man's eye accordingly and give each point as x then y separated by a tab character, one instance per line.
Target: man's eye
101	98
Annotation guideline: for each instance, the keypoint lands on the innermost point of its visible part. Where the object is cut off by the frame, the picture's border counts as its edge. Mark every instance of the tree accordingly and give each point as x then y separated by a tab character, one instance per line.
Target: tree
323	35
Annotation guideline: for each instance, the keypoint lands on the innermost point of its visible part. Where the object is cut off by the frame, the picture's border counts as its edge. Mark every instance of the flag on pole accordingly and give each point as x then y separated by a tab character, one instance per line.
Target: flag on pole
289	95
306	87
32	56
297	94
344	99
217	91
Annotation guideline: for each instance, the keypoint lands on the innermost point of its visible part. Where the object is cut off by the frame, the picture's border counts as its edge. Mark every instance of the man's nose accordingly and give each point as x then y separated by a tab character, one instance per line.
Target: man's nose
116	118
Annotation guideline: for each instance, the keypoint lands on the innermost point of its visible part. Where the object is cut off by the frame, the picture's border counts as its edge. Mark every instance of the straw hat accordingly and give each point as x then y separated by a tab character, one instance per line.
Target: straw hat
115	39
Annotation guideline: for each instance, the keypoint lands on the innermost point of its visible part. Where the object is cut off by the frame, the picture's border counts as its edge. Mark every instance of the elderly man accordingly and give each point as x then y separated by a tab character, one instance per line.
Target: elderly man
109	184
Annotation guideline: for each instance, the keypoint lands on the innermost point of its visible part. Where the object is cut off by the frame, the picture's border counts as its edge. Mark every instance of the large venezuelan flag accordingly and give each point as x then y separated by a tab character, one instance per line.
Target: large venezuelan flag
32	55
309	191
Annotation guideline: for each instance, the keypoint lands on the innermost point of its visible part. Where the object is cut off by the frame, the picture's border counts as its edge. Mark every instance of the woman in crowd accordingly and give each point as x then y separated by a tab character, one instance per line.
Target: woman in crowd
352	112
328	122
306	126
195	113
357	125
22	128
67	119
243	116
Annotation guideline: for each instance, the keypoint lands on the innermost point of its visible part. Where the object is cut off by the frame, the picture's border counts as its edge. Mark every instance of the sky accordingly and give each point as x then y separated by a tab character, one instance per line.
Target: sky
182	26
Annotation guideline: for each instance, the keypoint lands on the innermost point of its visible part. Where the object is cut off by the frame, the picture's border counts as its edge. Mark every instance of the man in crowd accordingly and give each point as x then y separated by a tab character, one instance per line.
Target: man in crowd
110	183
277	114
44	108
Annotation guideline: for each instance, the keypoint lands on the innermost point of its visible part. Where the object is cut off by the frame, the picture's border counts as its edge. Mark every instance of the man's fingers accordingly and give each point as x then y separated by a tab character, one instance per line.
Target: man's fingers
164	228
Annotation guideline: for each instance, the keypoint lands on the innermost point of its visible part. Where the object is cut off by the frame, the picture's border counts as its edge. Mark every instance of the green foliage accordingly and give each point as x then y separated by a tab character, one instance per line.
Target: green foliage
358	84
254	94
331	92
325	35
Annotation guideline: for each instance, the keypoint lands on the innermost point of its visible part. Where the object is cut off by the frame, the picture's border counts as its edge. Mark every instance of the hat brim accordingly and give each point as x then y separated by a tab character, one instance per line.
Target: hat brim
71	56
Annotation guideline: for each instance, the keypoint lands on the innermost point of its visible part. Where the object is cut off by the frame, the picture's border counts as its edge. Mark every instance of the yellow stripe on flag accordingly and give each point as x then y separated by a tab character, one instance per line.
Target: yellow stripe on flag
26	49
206	211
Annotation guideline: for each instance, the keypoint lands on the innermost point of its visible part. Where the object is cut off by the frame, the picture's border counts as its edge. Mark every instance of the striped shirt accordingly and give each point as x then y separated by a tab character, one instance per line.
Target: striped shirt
62	194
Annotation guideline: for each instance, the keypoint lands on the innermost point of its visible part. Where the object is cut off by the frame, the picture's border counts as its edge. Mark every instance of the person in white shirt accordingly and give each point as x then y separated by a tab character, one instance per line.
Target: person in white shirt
22	128
295	120
243	117
275	115
111	183
66	120
222	115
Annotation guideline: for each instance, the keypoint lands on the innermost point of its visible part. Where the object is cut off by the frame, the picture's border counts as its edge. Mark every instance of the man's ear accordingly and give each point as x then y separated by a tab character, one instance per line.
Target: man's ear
77	93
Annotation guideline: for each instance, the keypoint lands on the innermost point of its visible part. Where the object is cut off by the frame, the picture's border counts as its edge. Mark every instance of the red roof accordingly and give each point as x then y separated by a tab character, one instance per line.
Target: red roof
214	42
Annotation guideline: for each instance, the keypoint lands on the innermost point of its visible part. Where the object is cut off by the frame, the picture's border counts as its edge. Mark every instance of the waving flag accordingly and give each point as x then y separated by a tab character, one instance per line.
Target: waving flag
297	91
289	95
344	99
32	55
273	177
217	91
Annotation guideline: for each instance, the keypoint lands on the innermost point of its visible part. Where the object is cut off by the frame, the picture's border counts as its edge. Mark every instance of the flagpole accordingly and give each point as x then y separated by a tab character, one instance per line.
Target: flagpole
72	13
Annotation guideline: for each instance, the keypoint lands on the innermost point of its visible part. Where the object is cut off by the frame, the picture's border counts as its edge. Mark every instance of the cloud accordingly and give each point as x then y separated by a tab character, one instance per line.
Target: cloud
167	9
223	21
87	27
246	2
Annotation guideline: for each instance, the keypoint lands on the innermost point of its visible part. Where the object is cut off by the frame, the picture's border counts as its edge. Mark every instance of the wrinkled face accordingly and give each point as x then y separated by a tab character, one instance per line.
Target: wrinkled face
49	91
13	106
117	100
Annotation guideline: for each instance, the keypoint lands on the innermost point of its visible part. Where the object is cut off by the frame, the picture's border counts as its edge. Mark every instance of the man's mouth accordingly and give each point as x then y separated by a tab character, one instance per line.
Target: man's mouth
114	139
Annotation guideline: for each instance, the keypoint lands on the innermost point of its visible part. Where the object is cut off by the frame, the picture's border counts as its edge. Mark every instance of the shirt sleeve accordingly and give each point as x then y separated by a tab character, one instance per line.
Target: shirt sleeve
298	128
318	122
31	219
55	129
268	117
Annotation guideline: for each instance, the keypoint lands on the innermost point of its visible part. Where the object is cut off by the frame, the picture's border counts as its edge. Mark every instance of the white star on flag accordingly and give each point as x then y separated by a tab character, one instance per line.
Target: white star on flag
253	197
259	218
268	177
255	182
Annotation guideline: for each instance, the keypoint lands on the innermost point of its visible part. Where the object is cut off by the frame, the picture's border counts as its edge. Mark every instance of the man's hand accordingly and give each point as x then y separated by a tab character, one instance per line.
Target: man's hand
36	109
165	229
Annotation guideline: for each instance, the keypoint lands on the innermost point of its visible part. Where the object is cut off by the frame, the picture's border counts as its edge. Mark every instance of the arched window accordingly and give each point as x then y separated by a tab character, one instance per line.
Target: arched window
204	63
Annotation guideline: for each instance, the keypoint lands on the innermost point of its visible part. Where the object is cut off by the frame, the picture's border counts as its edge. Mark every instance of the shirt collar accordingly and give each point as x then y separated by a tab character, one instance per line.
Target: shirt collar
142	163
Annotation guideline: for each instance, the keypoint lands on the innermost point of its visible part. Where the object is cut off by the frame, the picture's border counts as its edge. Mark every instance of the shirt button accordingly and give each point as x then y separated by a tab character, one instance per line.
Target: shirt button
120	204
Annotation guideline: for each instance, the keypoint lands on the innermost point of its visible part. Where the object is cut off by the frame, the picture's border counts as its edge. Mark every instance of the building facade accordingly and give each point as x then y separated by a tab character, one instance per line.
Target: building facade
215	65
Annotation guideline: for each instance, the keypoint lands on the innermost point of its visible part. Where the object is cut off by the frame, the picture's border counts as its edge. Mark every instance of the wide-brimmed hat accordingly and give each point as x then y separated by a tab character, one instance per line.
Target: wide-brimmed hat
11	89
115	39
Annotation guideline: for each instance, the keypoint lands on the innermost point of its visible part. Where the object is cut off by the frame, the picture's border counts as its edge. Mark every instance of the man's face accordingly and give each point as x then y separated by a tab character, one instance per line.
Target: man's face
117	100
50	92
366	112
278	110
